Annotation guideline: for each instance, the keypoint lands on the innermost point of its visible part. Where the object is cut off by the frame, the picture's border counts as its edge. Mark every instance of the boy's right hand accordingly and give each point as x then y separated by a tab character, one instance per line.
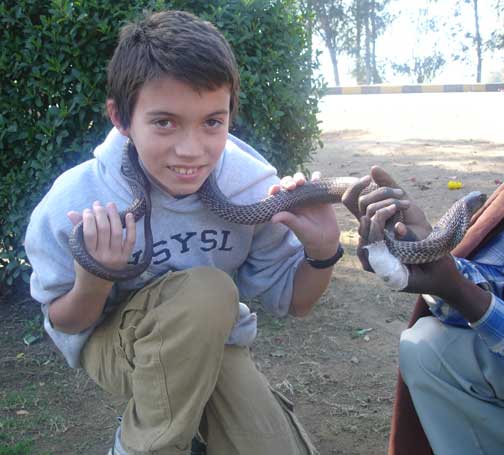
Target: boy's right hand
82	306
103	236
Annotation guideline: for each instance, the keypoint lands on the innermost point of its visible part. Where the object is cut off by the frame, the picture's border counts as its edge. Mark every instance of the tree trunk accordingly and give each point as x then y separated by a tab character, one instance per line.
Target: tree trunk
330	41
477	41
375	78
334	60
367	42
308	7
358	27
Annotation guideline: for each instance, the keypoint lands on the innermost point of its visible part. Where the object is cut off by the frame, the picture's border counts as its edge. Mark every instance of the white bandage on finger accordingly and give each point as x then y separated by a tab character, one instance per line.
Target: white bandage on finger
393	273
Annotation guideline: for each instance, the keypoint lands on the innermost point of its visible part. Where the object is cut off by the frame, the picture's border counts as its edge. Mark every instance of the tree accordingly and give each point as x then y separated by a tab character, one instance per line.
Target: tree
330	16
496	40
474	41
369	19
424	69
352	27
477	40
474	36
424	63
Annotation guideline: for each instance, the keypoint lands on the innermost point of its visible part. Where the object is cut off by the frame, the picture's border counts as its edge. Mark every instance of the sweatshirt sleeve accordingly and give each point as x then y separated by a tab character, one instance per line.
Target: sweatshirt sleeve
46	245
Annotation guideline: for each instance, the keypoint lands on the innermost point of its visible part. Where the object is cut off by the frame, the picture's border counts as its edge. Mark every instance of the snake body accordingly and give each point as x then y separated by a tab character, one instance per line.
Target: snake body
328	190
140	207
445	235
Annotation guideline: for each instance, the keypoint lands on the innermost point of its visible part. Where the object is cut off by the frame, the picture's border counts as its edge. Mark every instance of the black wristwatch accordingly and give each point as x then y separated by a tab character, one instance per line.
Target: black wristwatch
325	263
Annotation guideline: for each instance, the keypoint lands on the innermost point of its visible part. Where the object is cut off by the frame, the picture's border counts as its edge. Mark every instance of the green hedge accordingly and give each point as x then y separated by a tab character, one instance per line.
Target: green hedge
52	91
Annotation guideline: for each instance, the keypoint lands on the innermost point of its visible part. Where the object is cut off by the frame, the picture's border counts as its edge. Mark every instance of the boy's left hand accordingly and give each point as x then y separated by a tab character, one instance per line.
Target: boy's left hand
315	226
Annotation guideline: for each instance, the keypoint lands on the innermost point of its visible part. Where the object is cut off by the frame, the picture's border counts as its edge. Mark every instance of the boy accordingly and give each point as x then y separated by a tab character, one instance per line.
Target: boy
174	341
452	361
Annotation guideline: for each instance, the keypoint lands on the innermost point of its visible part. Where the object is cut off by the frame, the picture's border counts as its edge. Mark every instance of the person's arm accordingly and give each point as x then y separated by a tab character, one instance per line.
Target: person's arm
317	229
488	276
81	307
309	285
472	294
443	279
103	234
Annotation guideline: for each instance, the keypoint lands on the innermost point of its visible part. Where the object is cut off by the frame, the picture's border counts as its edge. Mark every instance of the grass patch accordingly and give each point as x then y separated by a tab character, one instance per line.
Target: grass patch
20	448
24	414
24	447
266	322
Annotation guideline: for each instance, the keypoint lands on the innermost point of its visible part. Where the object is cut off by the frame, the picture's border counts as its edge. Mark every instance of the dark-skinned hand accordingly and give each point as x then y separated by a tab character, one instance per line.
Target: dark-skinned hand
414	224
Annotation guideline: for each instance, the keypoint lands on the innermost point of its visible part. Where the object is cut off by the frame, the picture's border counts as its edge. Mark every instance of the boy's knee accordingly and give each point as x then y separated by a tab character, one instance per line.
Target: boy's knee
213	297
417	349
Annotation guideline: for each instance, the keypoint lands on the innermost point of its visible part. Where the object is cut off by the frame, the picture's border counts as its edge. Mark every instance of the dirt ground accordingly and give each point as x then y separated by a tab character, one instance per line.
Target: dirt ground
339	364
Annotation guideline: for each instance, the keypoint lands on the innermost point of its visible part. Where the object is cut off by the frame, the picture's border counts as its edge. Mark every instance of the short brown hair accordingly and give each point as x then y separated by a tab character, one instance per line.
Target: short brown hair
175	44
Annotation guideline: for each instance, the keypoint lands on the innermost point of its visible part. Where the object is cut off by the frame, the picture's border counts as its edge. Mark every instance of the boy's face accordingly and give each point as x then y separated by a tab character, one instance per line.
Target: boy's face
179	133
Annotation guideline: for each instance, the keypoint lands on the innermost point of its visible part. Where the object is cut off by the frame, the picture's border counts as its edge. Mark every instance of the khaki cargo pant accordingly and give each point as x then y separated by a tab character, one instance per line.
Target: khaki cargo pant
164	350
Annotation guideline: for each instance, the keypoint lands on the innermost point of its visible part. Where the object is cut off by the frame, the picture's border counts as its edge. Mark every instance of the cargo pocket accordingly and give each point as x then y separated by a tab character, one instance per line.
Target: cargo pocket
126	338
131	316
301	434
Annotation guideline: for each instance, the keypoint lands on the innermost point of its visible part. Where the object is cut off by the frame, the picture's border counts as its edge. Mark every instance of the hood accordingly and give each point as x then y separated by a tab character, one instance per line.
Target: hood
242	173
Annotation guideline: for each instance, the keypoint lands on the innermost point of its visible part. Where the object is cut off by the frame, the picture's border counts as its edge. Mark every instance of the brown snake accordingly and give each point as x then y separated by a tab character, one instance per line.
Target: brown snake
447	233
140	207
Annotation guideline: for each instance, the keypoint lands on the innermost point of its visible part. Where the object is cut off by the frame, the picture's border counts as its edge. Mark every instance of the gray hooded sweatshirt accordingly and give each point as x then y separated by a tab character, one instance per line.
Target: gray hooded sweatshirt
262	259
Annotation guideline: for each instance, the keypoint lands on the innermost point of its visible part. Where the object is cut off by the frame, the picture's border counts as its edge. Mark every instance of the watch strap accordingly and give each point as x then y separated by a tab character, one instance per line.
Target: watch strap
325	263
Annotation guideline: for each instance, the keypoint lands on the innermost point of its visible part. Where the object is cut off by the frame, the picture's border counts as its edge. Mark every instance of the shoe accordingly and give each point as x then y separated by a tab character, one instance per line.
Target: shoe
117	448
198	447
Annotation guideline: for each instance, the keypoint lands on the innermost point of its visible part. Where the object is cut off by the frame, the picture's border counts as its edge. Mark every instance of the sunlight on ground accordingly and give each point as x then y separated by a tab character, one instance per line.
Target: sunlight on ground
349	237
434	116
349	240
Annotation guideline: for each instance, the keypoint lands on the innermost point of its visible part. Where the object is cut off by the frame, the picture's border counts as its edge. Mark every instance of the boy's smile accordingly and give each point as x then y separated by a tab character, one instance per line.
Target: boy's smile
179	132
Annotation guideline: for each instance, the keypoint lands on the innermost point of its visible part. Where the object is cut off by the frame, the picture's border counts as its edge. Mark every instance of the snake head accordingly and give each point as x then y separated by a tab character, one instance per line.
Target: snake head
474	201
